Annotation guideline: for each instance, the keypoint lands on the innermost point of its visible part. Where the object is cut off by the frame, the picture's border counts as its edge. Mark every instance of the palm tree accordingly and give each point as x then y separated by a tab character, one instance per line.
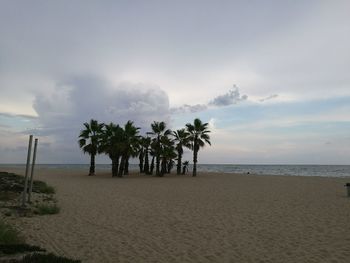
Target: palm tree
167	154
158	130
89	141
111	144
182	139
143	154
129	148
153	154
198	137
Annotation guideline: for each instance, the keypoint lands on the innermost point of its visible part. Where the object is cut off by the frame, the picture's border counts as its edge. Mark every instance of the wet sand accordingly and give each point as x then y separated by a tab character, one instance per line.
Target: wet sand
210	218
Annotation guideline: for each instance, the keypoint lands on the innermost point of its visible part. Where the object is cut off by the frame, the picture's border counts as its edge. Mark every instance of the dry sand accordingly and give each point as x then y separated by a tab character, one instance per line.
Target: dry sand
210	218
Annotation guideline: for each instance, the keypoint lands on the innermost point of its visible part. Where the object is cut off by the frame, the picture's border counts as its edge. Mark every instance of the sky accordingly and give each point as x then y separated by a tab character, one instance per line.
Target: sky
270	77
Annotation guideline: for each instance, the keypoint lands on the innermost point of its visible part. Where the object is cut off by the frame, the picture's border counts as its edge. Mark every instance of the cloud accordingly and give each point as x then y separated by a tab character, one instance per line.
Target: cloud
231	97
12	115
78	99
269	98
186	108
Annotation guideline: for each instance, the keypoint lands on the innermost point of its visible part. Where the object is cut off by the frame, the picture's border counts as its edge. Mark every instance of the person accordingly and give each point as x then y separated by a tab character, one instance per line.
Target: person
185	167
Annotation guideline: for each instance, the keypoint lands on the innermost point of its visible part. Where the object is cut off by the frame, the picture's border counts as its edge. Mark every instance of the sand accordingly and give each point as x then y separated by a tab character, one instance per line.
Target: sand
210	218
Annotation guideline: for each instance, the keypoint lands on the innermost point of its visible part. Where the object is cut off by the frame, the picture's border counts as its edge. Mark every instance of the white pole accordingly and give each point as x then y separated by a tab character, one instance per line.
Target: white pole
27	170
32	172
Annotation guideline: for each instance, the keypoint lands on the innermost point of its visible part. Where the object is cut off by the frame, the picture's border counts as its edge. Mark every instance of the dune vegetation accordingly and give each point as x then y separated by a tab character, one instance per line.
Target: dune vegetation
13	246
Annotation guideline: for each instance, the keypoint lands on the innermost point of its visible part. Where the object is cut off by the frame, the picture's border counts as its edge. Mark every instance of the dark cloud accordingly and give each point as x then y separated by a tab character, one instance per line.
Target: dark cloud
269	98
76	100
231	97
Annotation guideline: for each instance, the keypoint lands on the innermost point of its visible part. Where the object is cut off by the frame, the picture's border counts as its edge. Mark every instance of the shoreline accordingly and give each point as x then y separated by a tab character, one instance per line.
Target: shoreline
333	171
213	217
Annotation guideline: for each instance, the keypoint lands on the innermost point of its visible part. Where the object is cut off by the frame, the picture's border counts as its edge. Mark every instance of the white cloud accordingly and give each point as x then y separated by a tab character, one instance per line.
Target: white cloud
78	99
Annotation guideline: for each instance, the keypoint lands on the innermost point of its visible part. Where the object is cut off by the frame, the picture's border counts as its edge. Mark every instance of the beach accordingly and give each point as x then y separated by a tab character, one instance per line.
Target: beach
209	218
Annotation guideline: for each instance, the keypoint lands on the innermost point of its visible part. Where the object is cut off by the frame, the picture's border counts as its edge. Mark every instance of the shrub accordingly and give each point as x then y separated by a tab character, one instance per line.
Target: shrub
18	248
9	235
46	258
42	187
45	209
7	195
14	183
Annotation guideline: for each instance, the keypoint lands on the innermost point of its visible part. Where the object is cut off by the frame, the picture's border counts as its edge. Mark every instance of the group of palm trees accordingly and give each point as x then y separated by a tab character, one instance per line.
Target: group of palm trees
158	149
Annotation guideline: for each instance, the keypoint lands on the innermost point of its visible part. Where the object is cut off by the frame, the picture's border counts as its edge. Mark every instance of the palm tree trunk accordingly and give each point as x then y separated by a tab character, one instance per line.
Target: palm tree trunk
115	166
178	167
157	165
152	165
158	156
92	164
146	166
163	167
170	166
121	167
195	156
126	168
141	158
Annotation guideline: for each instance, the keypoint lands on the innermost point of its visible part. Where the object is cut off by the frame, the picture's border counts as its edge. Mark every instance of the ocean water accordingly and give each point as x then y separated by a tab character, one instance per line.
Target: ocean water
287	170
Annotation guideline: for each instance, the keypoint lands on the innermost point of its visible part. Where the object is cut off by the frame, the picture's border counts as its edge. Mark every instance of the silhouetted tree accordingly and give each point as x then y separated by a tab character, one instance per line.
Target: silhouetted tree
182	140
111	144
158	131
89	141
121	143
146	145
129	146
167	154
198	137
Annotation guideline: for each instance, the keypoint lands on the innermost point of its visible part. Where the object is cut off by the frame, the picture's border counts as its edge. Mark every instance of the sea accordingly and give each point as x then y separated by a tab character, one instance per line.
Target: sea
257	169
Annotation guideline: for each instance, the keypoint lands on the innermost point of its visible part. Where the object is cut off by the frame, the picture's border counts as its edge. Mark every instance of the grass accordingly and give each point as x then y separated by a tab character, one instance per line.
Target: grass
42	187
11	249
7	195
11	241
14	183
45	209
11	182
46	258
9	235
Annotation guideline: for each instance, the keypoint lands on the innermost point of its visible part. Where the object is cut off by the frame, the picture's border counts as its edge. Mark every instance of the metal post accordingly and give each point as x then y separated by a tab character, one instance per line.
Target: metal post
27	170
32	172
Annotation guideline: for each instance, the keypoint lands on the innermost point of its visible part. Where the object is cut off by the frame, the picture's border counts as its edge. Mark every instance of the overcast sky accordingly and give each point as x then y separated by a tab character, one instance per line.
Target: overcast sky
271	77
